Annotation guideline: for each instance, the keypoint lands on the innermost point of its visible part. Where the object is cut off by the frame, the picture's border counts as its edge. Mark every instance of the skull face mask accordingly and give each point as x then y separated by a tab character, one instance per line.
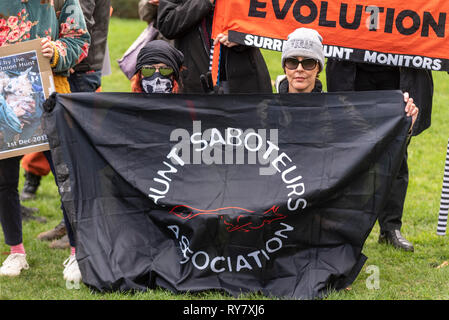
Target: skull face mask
157	83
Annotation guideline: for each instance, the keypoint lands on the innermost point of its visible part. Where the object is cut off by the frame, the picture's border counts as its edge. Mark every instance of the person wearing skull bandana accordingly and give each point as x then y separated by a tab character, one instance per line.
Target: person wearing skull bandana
157	69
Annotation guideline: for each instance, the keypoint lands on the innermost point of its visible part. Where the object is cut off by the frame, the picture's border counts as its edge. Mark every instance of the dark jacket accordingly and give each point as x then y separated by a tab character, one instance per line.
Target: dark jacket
340	76
96	14
246	71
147	11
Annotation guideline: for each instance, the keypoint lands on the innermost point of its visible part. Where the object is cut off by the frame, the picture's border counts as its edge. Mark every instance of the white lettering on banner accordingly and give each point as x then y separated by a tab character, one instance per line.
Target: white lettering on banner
201	260
214	147
337	52
281	160
400	60
264	42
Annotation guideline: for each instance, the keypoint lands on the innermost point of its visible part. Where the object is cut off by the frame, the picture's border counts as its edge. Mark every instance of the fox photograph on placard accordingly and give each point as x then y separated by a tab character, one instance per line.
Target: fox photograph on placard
26	80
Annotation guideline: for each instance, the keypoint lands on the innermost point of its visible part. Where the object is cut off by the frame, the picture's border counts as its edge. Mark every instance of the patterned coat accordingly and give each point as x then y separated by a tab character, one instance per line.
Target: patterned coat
22	20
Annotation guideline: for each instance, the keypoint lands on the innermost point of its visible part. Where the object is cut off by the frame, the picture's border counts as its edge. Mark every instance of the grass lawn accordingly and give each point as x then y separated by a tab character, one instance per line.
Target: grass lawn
401	275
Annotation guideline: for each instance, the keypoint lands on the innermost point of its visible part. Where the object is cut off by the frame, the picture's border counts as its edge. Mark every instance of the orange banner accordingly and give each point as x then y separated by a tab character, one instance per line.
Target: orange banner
411	33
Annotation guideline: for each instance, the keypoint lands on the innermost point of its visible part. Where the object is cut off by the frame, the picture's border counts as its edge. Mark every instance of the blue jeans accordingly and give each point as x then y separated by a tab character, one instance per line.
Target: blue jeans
85	81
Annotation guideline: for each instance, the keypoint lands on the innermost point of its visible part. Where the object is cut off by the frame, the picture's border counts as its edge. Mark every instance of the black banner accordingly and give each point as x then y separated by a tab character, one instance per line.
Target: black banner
242	193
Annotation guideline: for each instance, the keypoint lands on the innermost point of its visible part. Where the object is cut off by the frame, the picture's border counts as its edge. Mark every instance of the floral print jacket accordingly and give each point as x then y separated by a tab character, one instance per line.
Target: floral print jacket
22	20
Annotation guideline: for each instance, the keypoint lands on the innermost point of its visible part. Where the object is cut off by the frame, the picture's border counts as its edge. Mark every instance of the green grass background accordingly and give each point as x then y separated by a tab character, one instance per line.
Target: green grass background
402	275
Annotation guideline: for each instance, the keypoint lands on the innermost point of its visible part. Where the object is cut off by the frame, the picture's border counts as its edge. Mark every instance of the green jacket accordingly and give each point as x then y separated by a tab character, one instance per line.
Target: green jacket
23	20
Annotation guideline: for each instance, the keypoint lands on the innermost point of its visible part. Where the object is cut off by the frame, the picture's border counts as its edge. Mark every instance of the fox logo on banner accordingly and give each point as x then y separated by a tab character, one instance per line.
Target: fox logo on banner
242	193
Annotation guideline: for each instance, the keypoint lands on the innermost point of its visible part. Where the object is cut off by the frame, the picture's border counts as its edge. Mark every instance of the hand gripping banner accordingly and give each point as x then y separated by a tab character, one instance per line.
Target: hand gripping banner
400	33
241	193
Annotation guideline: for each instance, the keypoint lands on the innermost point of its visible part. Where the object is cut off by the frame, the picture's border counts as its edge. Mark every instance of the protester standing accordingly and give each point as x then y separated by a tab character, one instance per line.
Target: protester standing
351	76
189	22
84	77
302	64
65	42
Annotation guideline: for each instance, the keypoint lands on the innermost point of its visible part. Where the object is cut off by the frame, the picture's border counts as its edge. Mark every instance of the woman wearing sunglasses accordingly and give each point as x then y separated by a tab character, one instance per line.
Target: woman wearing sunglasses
157	69
303	60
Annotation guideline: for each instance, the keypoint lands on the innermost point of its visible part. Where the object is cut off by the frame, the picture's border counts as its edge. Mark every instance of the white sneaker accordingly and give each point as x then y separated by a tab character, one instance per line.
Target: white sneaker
14	264
72	271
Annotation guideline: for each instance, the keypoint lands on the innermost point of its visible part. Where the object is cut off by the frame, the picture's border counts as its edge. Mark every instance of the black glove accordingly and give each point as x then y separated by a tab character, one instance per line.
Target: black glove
208	84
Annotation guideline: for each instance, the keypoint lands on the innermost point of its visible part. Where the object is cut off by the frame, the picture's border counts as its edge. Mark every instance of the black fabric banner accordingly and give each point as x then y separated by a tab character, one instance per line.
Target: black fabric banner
242	193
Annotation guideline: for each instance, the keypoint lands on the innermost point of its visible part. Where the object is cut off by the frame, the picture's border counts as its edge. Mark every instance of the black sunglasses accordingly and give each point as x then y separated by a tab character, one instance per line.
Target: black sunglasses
149	71
307	64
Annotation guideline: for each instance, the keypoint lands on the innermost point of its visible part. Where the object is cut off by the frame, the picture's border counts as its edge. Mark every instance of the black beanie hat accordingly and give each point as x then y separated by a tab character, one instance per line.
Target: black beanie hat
160	51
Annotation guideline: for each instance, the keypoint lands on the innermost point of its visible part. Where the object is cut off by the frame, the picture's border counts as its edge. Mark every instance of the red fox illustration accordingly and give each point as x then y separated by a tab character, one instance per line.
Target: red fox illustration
235	218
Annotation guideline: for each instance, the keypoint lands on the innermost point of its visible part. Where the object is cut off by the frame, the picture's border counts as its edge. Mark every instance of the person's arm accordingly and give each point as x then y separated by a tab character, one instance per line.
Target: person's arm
73	42
174	18
148	10
88	8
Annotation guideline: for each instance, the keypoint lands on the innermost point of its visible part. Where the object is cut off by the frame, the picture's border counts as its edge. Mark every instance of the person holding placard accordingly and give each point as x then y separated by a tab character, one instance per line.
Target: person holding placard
65	42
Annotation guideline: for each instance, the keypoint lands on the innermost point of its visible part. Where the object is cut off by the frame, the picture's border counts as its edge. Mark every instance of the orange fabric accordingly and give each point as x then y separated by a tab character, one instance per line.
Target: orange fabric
395	27
36	163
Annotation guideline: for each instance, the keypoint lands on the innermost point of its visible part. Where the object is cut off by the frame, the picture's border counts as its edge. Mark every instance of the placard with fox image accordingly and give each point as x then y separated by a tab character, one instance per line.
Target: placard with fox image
26	80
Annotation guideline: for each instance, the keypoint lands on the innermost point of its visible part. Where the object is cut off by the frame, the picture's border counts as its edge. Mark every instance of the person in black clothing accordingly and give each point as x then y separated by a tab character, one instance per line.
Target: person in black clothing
351	76
302	61
189	23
